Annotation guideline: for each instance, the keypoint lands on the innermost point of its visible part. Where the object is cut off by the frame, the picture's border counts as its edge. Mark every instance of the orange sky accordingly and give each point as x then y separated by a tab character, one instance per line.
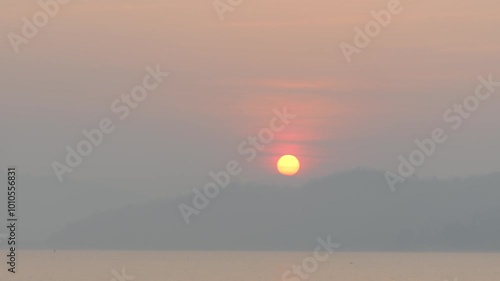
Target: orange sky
227	76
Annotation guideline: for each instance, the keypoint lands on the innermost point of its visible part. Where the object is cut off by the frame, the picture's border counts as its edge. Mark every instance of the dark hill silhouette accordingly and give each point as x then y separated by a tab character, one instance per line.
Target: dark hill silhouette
357	208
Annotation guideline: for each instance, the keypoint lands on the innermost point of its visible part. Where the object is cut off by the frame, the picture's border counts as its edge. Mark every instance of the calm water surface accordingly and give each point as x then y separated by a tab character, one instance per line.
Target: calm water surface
251	266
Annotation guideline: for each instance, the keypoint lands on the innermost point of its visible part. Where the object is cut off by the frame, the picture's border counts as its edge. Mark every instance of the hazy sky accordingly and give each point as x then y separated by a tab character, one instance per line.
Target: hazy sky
227	76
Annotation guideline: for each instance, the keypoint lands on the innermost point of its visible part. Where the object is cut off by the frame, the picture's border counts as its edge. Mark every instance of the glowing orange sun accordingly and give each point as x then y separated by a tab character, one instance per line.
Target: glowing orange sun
288	165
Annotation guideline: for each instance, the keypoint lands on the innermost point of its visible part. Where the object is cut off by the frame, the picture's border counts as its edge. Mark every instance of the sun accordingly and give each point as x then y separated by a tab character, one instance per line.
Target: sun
288	165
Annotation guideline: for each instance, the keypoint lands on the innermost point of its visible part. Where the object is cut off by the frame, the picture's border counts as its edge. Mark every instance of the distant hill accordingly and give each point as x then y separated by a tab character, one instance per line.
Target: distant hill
357	208
45	205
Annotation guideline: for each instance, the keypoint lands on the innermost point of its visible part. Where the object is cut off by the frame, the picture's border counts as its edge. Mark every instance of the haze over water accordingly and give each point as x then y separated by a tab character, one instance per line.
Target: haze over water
152	138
